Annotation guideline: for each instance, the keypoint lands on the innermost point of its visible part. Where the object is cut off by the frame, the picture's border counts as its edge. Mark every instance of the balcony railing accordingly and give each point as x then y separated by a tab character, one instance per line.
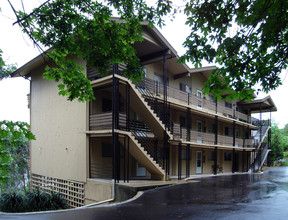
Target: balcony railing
102	121
193	100
209	138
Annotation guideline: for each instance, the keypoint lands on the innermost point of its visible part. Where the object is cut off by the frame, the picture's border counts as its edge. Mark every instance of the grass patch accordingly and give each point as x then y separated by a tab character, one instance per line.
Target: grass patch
286	154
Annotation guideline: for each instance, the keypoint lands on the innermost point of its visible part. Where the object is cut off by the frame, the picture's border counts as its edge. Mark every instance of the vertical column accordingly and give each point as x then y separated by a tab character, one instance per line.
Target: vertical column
114	123
179	161
188	154
234	133
188	124
165	111
90	154
243	135
215	161
127	107
260	122
128	151
233	161
124	160
216	130
269	132
254	160
243	160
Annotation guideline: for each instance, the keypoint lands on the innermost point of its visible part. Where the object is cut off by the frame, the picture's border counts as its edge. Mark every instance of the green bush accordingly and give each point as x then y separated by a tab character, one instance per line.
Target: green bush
32	202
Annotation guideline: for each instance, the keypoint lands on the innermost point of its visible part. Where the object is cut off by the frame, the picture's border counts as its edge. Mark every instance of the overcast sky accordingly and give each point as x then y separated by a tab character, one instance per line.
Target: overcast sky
18	49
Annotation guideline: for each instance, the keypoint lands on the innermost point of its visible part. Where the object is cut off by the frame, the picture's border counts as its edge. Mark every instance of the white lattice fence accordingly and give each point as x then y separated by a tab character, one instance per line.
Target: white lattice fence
72	191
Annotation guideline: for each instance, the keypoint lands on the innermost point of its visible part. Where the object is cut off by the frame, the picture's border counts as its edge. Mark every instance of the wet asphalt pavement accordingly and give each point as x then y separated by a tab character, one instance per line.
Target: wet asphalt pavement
243	196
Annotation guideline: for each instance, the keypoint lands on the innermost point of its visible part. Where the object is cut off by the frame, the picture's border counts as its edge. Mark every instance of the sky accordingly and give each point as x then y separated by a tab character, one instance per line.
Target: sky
18	49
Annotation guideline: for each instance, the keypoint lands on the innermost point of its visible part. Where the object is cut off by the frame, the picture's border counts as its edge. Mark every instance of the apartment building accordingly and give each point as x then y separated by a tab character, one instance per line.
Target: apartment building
161	128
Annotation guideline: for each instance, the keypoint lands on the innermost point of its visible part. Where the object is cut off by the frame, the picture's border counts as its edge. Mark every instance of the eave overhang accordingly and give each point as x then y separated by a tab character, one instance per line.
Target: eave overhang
259	105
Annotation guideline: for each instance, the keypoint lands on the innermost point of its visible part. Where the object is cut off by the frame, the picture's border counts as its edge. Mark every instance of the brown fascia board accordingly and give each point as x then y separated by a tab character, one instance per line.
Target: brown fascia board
259	101
26	69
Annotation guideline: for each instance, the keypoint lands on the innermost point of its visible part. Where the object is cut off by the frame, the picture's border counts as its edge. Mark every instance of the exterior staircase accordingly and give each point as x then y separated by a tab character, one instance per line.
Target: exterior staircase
144	154
150	115
261	148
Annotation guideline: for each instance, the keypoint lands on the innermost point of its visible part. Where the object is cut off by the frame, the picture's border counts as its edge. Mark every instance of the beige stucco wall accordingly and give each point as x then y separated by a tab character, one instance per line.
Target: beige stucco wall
60	148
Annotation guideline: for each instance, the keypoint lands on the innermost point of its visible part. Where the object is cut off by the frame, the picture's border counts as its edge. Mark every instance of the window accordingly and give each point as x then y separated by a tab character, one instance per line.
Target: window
185	88
199	100
182	121
211	98
228	104
106	105
145	72
228	132
211	128
107	150
159	78
237	133
227	156
199	126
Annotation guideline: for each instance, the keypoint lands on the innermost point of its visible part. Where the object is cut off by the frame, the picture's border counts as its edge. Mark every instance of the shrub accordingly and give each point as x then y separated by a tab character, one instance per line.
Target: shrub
32	202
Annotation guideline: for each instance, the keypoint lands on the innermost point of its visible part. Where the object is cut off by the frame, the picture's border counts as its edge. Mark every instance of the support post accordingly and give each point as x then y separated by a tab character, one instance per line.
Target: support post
216	130
215	161
233	161
127	107
234	133
243	160
179	161
124	160
188	154
188	124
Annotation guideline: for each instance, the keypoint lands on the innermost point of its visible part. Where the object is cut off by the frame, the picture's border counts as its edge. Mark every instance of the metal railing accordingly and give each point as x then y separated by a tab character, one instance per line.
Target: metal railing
180	132
156	89
103	120
144	88
149	146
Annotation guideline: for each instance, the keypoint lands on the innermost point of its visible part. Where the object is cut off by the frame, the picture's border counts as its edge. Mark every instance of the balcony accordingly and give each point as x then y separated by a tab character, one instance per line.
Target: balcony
209	138
195	101
102	121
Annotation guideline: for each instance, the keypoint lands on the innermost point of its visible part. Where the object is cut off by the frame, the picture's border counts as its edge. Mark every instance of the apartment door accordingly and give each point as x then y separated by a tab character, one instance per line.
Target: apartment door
140	171
199	130
199	94
198	162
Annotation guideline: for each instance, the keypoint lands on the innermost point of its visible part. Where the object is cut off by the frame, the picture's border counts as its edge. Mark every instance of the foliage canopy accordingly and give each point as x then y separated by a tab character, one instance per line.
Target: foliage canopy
14	138
247	39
